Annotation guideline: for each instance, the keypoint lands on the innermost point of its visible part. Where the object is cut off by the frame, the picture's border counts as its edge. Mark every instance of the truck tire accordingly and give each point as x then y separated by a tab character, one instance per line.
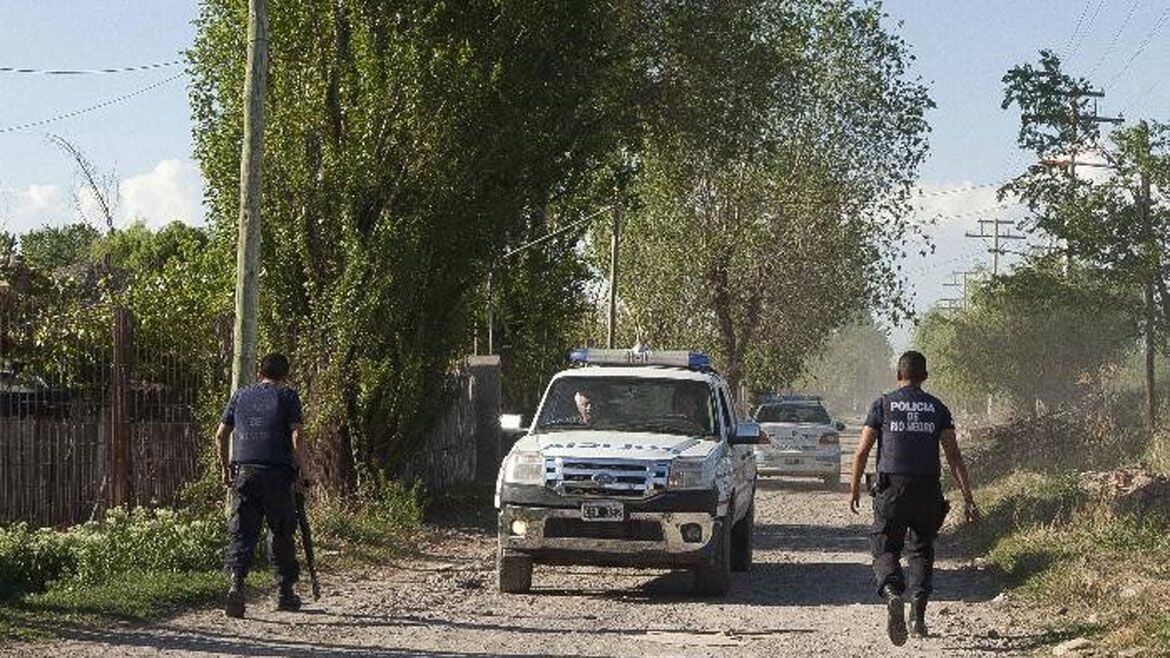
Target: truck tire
515	573
741	540
714	578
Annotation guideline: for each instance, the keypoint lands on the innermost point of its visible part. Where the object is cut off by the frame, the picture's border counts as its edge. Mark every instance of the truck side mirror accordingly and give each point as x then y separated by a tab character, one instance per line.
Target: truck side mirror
748	434
512	424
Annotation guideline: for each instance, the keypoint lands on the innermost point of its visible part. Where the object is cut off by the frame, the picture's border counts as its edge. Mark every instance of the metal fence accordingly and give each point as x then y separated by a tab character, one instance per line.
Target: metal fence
90	417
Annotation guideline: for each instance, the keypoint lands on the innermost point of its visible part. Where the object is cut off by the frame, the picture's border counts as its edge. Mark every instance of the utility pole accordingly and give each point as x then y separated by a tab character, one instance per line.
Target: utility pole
251	157
491	345
955	283
1152	269
996	251
613	274
1076	120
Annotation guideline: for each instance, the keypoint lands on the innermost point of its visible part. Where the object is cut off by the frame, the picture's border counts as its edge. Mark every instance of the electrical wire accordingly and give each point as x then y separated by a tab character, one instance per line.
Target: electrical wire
123	69
1074	47
1141	47
97	106
1077	27
1116	37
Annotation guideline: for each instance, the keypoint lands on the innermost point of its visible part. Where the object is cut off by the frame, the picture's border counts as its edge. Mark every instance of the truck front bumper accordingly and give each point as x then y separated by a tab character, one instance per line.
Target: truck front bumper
552	535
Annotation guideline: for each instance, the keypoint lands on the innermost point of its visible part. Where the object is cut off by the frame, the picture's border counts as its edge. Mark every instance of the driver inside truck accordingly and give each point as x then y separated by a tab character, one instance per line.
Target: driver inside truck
590	402
692	405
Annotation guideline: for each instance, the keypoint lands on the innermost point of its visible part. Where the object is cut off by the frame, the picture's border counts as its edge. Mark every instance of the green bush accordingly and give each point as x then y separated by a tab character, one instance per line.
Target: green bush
139	539
144	539
373	521
30	559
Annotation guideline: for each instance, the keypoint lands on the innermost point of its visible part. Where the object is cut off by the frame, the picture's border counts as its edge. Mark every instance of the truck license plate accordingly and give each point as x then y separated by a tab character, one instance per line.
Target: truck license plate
603	511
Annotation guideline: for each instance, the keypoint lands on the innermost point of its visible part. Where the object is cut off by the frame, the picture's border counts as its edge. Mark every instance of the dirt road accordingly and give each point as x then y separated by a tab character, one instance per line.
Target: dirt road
809	593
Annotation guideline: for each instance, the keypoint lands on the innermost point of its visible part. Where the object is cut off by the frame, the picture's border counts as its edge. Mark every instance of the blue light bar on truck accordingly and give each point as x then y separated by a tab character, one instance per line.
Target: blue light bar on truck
676	358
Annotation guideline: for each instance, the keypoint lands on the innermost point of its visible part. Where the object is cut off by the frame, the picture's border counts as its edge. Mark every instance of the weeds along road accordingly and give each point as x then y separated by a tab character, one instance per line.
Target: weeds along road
809	593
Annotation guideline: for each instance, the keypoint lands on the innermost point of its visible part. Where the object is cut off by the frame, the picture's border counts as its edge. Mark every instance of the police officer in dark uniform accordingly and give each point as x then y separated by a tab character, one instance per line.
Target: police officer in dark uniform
908	426
263	422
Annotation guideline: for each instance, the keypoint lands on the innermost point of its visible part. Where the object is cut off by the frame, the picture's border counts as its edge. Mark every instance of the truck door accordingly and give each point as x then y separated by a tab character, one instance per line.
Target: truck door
742	464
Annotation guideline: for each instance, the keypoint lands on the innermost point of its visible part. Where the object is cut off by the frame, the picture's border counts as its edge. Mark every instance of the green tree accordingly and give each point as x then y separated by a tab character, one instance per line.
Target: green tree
1033	335
53	247
769	201
1113	224
408	145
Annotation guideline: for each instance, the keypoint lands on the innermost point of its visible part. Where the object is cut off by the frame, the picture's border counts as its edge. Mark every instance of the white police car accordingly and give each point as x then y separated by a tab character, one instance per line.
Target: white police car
805	442
634	459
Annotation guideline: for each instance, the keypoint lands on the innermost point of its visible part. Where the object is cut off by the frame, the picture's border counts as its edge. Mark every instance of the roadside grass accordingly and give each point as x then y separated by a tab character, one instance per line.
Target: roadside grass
144	564
1099	575
130	598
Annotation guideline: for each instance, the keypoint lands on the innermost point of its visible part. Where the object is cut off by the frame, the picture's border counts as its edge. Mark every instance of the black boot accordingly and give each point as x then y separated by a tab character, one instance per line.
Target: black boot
287	599
895	615
918	617
234	607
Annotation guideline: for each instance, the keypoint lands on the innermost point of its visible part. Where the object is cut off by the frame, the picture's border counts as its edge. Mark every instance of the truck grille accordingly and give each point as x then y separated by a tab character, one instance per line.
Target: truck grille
606	478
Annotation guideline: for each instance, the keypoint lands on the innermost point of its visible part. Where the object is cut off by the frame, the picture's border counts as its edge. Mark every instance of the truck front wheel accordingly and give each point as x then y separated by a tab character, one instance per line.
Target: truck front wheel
714	578
515	573
741	540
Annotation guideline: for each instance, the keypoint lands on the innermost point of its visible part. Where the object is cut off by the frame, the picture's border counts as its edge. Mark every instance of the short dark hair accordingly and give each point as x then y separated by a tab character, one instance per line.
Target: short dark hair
912	367
274	366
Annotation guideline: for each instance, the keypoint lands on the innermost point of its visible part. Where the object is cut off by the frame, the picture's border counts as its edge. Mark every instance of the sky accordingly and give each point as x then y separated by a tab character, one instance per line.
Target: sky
962	49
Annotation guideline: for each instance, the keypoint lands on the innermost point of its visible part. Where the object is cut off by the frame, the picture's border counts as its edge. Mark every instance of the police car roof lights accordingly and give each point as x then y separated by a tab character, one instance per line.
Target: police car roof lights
634	357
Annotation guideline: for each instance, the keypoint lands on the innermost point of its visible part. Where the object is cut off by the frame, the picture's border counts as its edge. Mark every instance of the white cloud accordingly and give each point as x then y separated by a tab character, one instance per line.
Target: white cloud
22	209
171	191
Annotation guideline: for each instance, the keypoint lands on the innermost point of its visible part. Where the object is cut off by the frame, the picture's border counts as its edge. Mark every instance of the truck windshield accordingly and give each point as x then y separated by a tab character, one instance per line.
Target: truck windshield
629	404
792	413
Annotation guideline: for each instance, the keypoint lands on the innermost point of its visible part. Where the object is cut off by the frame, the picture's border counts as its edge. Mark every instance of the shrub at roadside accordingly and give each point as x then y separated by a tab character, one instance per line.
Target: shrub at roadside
139	539
370	525
142	563
1060	545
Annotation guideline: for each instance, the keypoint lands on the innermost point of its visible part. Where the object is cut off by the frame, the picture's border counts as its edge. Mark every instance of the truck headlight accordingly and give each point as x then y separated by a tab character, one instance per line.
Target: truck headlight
691	474
524	468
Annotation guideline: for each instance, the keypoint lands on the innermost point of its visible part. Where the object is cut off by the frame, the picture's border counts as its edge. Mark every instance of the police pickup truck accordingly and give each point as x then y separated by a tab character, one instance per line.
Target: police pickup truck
634	459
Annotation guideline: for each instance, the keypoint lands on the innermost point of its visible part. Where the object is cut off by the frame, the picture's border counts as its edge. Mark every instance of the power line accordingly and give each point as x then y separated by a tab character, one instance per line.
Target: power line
1074	47
1077	27
1141	47
971	213
553	234
123	69
97	106
1142	97
960	190
1116	36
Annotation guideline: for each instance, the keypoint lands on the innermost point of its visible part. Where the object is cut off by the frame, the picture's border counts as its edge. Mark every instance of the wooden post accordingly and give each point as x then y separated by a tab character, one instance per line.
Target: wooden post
118	452
611	333
248	244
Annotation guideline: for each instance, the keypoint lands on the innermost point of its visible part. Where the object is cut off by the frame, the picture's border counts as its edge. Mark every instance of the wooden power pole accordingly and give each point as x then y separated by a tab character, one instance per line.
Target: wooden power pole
1153	269
613	275
251	157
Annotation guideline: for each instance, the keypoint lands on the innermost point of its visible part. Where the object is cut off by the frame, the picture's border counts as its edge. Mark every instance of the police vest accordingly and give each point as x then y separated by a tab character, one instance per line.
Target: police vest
910	422
262	416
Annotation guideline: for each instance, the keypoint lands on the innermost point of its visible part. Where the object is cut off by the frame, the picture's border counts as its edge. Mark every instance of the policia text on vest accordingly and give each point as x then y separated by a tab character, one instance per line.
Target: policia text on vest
261	465
908	426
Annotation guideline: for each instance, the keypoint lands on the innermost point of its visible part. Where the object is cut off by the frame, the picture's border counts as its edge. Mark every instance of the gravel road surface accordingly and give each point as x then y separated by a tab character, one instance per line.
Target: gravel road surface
809	593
